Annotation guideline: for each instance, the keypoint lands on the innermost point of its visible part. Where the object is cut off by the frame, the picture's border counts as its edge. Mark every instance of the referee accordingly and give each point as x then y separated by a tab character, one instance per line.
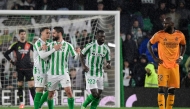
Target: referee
23	64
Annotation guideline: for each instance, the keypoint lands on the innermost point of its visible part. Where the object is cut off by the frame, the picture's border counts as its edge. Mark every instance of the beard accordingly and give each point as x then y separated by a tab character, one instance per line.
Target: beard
168	29
55	38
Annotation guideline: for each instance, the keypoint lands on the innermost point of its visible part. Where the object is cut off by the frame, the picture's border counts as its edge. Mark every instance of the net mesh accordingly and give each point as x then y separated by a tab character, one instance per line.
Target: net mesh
79	30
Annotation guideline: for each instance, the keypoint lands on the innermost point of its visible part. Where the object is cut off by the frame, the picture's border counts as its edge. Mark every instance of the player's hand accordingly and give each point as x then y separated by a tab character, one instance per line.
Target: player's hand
128	77
157	60
57	47
178	60
108	66
44	47
12	62
86	69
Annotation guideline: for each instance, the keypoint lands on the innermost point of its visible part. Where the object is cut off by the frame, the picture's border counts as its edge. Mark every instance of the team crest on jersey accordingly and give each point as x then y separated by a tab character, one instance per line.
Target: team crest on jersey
19	48
176	39
165	39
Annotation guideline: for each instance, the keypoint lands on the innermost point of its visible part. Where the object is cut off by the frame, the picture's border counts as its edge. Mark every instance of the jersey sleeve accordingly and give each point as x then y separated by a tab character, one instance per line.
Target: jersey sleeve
183	41
108	57
155	38
86	49
72	51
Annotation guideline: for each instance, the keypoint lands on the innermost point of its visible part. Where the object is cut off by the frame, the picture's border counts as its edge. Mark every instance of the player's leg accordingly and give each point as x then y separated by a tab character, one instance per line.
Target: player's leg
40	81
96	101
52	82
173	83
96	94
20	88
30	78
162	83
66	83
91	84
43	99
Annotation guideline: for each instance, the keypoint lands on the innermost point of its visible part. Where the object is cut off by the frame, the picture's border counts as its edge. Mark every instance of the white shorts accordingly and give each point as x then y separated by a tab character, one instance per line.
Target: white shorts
54	80
93	82
40	80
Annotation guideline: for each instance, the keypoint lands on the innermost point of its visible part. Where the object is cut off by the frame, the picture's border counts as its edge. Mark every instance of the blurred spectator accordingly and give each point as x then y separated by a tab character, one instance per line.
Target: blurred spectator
29	3
3	4
35	39
76	78
2	75
182	10
12	3
174	15
127	74
44	5
143	46
100	6
151	79
138	72
130	51
186	81
11	81
136	31
187	64
124	20
162	9
158	23
5	38
16	7
86	38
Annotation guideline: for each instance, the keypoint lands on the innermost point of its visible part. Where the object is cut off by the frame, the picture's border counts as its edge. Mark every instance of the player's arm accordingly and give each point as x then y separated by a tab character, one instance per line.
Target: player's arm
182	48
75	53
6	54
83	54
153	40
108	59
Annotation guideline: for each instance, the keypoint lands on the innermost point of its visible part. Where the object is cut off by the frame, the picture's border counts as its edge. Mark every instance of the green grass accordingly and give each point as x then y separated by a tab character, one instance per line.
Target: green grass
9	107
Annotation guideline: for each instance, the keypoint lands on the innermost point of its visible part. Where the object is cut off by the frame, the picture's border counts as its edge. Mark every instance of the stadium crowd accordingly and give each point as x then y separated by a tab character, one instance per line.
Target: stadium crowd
138	22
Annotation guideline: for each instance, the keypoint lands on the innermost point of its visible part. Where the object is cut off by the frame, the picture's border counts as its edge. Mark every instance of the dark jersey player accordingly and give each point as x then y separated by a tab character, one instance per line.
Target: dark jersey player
23	64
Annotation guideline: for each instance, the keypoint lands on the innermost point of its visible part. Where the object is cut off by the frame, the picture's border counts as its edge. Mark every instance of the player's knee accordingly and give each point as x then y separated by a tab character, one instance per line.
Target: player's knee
161	90
95	95
39	89
171	91
50	94
68	92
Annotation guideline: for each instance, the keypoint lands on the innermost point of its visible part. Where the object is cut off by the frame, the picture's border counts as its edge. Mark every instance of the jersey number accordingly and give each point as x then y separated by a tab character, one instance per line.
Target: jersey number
160	77
40	79
91	81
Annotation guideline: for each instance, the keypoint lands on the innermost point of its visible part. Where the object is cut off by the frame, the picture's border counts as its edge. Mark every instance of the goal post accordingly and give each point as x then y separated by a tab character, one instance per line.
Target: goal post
103	22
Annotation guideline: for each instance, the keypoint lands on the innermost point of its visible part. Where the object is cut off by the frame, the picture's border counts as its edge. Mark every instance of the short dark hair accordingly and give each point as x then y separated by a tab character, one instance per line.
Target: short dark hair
43	28
72	69
100	31
21	30
59	29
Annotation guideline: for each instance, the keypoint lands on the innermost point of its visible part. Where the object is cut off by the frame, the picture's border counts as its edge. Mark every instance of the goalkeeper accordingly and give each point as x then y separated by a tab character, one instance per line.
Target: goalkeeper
95	53
40	66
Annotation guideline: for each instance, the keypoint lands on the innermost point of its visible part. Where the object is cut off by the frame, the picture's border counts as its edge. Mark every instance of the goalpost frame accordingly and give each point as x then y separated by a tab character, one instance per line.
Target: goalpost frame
117	35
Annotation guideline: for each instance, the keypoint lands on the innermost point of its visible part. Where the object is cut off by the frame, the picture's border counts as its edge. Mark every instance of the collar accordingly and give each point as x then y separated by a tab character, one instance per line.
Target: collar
42	41
59	42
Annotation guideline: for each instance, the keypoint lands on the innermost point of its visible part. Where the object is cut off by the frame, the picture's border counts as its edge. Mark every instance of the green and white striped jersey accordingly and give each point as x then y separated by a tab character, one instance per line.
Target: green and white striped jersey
40	65
95	55
58	62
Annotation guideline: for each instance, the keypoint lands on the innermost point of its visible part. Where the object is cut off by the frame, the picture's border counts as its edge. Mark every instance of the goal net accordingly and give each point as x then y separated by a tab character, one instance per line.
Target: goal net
80	28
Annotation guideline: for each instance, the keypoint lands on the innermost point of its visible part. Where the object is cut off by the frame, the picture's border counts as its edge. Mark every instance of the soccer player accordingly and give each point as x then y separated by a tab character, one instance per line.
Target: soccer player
95	53
40	65
23	63
171	48
58	71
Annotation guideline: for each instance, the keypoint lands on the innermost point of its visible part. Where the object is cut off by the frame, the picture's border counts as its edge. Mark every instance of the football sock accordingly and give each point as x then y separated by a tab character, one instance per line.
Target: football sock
43	99
20	93
71	103
32	92
161	101
37	100
50	103
170	101
88	100
95	103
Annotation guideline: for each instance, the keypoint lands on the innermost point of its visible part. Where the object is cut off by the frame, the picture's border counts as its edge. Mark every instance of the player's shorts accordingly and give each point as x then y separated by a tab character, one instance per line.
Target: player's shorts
168	77
93	82
40	80
28	74
54	80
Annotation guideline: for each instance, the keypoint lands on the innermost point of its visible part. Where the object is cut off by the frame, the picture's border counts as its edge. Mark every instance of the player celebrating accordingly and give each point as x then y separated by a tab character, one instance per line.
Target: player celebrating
40	64
171	48
58	71
95	53
23	64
